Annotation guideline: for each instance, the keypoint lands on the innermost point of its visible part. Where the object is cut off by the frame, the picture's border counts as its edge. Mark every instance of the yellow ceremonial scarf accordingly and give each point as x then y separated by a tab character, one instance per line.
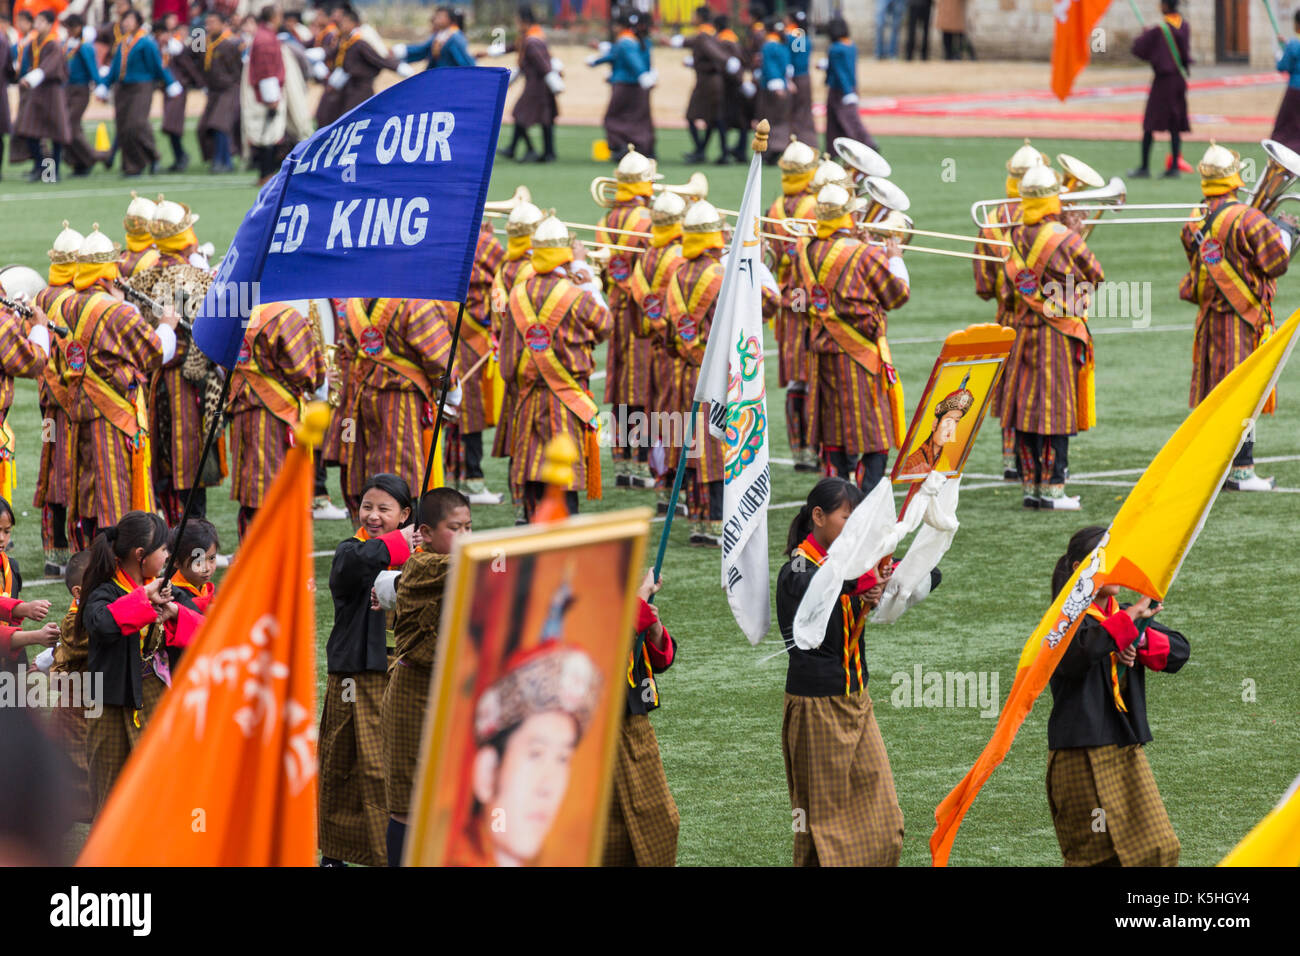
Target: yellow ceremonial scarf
138	241
695	243
1035	209
62	273
661	236
827	226
1219	185
518	246
1013	187
1175	20
549	258
88	273
794	183
627	191
173	245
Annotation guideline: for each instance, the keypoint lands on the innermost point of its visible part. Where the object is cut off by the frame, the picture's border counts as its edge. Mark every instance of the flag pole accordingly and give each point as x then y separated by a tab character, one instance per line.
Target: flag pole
1272	18
442	401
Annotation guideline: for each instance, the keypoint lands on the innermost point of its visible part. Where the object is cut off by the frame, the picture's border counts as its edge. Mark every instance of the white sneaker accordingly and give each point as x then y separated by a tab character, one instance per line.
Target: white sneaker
1068	503
484	497
1253	483
329	511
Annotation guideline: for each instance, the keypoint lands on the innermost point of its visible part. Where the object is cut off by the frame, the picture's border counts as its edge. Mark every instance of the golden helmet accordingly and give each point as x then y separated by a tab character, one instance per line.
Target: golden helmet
798	157
551	233
139	213
97	247
1218	162
1024	158
834	201
66	245
171	218
703	217
523	219
1040	181
667	208
635	167
829	172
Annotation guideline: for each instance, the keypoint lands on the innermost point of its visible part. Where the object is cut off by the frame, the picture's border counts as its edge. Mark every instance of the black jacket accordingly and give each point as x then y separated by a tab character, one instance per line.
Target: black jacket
1084	712
113	653
824	671
358	641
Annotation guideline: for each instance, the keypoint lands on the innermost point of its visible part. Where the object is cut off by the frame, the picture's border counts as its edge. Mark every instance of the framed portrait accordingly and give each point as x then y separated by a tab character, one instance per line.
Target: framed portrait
954	403
529	688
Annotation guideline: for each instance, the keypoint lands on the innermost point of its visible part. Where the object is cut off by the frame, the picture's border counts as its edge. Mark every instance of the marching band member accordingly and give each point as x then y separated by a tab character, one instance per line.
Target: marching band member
774	87
537	104
649	287
136	66
1052	392
798	164
178	403
1236	254
842	116
1097	732
709	61
109	357
140	252
991	282
556	317
476	392
520	225
53	479
279	362
627	120
1286	129
356	64
397	349
1167	47
800	46
223	64
627	381
855	402
23	354
44	110
836	765
643	820
692	295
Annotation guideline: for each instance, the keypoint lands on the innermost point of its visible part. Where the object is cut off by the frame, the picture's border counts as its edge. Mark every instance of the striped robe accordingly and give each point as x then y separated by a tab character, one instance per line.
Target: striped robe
19	358
475	339
129	263
627	361
649	287
177	428
388	408
848	407
56	449
1223	340
284	348
791	327
124	351
538	415
991	283
502	283
1042	396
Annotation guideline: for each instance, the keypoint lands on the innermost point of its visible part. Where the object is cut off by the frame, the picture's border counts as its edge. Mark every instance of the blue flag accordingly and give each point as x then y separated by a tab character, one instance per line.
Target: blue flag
385	201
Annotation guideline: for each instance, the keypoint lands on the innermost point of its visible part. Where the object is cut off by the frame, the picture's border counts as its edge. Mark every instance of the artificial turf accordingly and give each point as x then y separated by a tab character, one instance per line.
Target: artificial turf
1225	727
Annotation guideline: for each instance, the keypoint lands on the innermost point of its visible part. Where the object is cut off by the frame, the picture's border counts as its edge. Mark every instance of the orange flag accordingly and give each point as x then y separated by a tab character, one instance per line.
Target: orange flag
225	774
1142	550
1072	43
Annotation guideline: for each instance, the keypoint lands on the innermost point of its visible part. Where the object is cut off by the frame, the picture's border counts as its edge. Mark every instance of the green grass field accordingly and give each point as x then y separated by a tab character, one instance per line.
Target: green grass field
1221	762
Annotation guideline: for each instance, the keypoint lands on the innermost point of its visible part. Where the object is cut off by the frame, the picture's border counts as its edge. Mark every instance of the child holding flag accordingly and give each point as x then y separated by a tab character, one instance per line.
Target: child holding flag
1098	727
846	812
444	516
124	599
192	582
353	821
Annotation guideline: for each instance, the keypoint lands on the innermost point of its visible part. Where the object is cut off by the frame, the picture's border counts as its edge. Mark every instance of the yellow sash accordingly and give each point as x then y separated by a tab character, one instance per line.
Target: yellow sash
370	329
538	359
279	401
1212	264
688	309
652	306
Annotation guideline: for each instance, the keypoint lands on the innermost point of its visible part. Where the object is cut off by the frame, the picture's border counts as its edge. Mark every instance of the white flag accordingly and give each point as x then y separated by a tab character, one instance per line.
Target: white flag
732	387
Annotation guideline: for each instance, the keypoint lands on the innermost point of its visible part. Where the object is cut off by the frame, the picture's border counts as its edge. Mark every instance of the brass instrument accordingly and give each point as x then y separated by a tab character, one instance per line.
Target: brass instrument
1078	174
507	206
882	198
1109	198
863	161
333	376
604	189
1282	170
806	229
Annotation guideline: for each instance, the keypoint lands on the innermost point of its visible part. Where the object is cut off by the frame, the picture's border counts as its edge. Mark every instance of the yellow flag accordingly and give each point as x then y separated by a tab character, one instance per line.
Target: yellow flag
1142	550
1275	841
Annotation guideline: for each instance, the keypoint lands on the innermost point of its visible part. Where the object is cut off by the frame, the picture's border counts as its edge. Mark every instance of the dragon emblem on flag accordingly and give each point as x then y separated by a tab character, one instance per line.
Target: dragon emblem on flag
746	418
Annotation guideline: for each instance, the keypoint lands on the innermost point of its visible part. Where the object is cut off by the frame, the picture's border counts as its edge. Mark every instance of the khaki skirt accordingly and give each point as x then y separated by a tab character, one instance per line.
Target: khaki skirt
643	817
353	823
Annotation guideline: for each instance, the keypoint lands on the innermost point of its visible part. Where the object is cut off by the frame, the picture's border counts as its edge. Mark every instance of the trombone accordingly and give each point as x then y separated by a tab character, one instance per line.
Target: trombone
605	188
1109	198
805	229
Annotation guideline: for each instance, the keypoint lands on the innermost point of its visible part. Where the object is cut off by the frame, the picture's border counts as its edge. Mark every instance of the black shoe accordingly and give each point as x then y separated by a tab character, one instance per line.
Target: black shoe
81	172
32	176
330	861
725	159
506	153
695	157
153	168
1140	173
53	570
132	175
530	157
661	509
623	480
1171	173
738	155
180	165
547	158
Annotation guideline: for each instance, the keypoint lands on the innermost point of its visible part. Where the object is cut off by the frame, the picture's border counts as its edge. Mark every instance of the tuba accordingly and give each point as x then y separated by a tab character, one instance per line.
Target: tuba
1282	170
507	206
1078	174
862	160
883	197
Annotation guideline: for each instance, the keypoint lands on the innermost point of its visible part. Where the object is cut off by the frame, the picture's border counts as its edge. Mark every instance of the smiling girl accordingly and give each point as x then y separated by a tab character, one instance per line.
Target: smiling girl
353	809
